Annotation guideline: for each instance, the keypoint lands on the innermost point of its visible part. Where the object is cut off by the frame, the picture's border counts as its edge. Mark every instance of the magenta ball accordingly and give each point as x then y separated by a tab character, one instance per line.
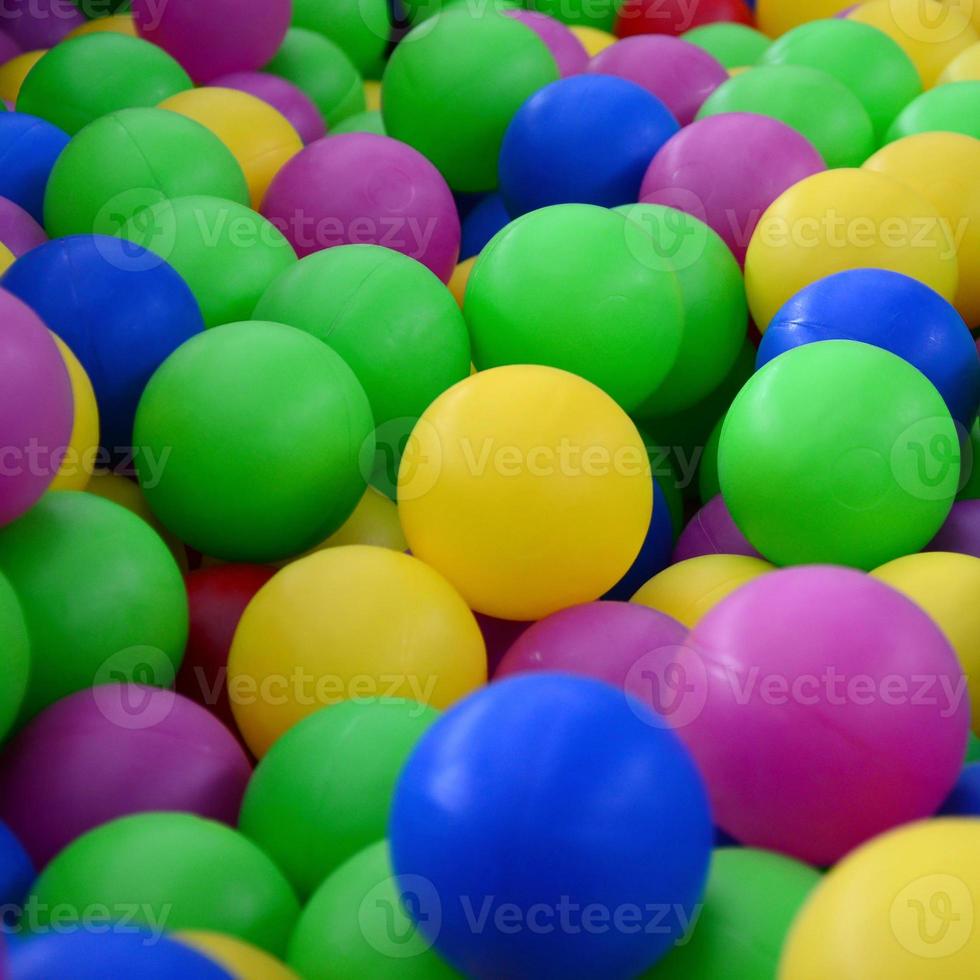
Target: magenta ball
365	189
211	38
567	50
617	642
36	408
680	74
726	170
283	96
711	531
961	532
830	709
9	48
18	230
111	751
38	24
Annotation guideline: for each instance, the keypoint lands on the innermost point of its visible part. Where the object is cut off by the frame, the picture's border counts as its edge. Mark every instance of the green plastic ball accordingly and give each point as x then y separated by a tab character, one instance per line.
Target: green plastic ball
356	926
859	56
600	14
128	161
263	426
972	749
814	103
361	28
101	8
391	319
734	45
953	108
361	122
838	453
225	252
970	477
716	315
15	656
748	907
101	594
572	287
708	485
171	871
85	78
323	791
323	71
454	83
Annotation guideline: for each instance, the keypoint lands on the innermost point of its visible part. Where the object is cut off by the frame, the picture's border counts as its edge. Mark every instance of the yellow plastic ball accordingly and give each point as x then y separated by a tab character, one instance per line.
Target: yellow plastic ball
776	17
846	219
83	447
944	168
965	67
592	39
116	24
904	906
6	258
372	95
931	33
690	589
345	624
460	279
242	960
947	587
13	73
260	138
528	488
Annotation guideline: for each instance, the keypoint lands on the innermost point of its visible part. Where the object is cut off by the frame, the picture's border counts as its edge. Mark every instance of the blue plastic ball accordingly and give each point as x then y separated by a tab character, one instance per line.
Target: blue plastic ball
28	149
655	553
964	800
550	826
891	311
105	953
16	871
481	224
587	139
121	309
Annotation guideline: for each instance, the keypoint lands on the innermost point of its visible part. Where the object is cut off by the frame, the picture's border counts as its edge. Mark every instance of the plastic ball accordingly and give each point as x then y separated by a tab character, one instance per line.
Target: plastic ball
311	822
120	310
776	17
845	219
677	16
869	63
19	232
655	551
555	153
712	532
970	462
374	522
965	67
82	451
360	27
943	584
598	14
115	24
225	252
14	670
318	67
361	189
332	627
109	952
103	73
242	960
952	108
198	36
280	474
851	436
713	300
592	39
126	162
734	45
260	138
13	73
567	50
729	192
690	589
900	907
112	751
361	122
491	64
33	429
961	532
681	75
16	872
355	925
813	755
36	24
479	226
708	485
603	752
542	292
890	311
931	32
188	873
749	903
295	106
30	147
964	800
814	103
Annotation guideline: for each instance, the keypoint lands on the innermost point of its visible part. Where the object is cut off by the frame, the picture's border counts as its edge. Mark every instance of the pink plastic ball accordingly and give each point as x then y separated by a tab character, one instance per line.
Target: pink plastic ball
35	25
567	50
292	102
961	532
36	408
726	170
831	708
712	531
680	74
365	189
211	38
18	230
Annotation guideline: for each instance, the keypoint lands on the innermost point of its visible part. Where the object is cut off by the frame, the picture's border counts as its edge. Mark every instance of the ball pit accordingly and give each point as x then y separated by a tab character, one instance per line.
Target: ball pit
296	107
567	50
30	147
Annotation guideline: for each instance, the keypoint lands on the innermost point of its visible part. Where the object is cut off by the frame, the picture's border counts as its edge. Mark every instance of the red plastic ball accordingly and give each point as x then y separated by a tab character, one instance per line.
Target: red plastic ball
674	17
